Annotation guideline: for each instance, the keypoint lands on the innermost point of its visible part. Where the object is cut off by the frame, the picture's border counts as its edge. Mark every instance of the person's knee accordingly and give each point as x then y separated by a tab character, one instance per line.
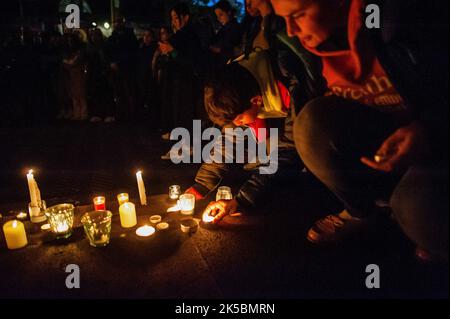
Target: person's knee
312	130
420	207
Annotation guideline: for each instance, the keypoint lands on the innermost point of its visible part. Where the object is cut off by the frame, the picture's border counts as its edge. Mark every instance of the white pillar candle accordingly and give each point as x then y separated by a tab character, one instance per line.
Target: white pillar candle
15	234
38	192
127	212
32	188
141	187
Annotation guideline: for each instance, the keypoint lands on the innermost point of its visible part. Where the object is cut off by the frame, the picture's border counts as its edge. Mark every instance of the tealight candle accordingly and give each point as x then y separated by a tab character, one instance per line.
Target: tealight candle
99	203
145	231
15	234
123	198
162	226
155	219
22	216
45	227
207	218
127	212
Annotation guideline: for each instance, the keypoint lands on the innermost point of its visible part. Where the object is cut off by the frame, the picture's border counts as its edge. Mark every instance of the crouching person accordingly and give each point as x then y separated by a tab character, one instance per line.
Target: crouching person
380	131
233	100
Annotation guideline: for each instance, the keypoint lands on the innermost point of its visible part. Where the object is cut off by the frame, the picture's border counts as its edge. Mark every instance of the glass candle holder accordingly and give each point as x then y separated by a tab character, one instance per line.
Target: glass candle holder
224	193
99	203
97	226
60	218
187	204
174	192
37	213
123	198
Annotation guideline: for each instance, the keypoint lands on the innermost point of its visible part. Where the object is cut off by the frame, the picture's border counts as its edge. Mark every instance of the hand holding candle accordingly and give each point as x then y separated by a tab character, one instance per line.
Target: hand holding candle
15	234
141	187
127	212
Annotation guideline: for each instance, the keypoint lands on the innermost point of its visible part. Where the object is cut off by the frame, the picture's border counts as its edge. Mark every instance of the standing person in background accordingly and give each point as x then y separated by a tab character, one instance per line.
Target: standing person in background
227	41
145	83
74	62
184	51
161	68
121	51
100	92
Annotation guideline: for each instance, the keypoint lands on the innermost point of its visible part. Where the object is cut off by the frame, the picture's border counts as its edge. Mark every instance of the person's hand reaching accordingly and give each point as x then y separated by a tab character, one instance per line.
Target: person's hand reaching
222	208
400	150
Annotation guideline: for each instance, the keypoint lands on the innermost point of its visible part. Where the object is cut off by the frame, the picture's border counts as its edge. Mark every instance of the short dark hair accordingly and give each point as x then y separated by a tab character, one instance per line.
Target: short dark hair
225	6
229	92
181	9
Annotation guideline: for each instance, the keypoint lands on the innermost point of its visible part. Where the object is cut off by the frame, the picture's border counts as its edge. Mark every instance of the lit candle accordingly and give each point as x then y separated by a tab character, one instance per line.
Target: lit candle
32	188
127	212
187	204
207	218
15	234
62	228
145	231
155	219
141	187
162	226
100	203
22	216
123	198
45	227
174	191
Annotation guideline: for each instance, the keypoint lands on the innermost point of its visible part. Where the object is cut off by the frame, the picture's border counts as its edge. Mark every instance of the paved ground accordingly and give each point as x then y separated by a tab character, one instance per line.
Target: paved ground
263	255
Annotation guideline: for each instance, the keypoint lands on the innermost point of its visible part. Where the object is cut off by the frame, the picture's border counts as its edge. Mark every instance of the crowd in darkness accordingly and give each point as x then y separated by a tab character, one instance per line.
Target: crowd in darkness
80	75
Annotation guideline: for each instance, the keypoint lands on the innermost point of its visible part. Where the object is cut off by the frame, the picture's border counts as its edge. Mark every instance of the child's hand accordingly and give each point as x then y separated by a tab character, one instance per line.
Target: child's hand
221	209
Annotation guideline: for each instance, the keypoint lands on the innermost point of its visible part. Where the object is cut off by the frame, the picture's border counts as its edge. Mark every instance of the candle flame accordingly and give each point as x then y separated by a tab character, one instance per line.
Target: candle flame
30	172
139	173
14	224
207	218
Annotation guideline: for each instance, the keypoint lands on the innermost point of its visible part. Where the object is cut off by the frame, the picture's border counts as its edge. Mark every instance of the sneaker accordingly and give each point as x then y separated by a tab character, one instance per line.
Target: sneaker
334	228
110	119
95	119
166	137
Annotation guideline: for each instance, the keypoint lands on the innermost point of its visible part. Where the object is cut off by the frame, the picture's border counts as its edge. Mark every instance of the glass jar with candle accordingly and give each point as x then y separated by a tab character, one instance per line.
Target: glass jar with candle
174	192
224	193
60	218
99	203
97	226
123	198
187	204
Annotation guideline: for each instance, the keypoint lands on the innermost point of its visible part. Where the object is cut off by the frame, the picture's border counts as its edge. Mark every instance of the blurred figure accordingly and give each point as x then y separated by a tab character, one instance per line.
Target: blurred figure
121	52
100	93
184	51
145	83
161	68
74	62
226	43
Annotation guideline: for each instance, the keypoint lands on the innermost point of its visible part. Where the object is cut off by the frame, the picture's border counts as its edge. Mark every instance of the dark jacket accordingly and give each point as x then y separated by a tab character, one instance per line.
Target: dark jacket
228	39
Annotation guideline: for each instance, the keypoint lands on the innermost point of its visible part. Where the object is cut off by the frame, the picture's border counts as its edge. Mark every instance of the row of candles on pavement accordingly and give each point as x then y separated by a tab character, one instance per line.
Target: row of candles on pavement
97	224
